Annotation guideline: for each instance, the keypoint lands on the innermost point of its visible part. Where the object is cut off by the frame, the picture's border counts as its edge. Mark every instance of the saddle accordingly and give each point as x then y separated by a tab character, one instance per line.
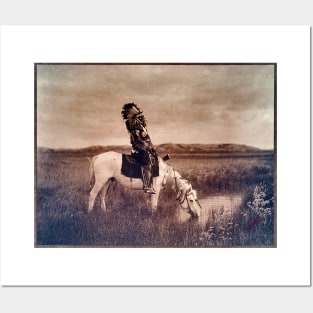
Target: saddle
132	168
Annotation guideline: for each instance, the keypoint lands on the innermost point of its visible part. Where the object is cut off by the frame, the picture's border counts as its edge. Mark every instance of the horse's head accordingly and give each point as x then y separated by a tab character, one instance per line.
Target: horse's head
188	198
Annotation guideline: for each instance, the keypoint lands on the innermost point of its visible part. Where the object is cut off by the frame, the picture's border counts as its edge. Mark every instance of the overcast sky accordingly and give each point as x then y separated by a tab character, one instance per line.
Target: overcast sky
80	105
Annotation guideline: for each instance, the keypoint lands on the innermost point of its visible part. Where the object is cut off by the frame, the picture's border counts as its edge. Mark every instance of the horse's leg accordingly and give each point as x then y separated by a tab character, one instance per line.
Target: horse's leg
93	194
155	197
154	202
103	194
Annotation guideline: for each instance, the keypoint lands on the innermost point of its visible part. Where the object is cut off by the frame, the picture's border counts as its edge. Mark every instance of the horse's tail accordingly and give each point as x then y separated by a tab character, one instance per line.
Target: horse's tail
91	171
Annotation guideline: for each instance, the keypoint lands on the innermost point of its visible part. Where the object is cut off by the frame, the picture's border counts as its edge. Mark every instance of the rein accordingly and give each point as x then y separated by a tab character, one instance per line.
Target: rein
186	194
181	201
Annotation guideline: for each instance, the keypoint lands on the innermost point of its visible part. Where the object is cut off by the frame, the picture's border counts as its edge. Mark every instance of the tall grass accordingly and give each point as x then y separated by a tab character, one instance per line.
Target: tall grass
62	198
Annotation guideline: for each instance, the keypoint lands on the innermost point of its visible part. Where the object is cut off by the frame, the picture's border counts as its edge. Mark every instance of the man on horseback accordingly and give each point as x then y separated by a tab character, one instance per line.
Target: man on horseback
143	149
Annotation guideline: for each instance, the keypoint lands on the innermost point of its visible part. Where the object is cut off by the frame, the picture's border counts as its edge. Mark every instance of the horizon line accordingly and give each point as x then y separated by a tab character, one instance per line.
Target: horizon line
156	145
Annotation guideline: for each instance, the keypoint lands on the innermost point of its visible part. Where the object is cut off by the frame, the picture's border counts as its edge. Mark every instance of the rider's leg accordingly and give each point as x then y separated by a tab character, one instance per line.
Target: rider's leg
147	179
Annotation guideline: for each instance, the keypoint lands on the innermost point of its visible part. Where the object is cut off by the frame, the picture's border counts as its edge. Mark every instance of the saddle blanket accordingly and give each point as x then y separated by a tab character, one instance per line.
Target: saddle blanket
132	168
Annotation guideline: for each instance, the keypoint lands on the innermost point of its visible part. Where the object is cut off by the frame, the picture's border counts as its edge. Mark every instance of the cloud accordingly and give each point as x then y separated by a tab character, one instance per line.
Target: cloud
198	102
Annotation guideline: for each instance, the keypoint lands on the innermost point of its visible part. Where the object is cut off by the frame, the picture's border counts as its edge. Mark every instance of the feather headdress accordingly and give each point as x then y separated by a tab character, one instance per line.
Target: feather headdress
133	116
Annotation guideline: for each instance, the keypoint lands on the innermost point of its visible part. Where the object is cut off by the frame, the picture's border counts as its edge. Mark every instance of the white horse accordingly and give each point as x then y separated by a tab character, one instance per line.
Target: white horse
106	167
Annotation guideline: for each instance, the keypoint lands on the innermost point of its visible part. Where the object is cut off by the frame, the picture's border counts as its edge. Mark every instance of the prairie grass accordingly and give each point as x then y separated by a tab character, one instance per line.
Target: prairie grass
62	196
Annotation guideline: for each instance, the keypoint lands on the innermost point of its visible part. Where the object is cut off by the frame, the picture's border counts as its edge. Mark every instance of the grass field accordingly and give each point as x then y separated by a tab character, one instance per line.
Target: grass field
62	197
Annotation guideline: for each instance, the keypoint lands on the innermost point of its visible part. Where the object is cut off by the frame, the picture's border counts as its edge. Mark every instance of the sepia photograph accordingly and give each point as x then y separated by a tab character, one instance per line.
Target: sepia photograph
156	162
174	163
155	155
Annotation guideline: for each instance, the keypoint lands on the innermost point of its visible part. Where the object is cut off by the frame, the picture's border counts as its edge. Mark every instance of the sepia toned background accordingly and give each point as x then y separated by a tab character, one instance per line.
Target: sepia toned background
79	105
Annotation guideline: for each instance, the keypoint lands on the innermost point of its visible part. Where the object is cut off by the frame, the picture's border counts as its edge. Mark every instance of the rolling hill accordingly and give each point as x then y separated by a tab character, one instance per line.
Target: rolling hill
171	148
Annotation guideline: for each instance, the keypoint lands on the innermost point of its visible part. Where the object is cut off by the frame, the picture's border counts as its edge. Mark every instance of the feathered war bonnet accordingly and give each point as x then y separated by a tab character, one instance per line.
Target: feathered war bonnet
132	116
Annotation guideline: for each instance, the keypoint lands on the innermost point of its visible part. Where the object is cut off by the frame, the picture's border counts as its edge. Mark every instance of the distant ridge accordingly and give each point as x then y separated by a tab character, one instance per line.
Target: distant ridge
206	148
93	150
171	148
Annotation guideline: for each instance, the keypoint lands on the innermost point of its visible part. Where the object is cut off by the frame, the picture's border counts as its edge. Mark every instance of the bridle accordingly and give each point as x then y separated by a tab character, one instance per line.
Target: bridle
188	193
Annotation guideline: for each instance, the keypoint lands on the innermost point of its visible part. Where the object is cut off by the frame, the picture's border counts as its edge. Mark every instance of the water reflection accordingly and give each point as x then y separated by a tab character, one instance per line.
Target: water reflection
215	205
